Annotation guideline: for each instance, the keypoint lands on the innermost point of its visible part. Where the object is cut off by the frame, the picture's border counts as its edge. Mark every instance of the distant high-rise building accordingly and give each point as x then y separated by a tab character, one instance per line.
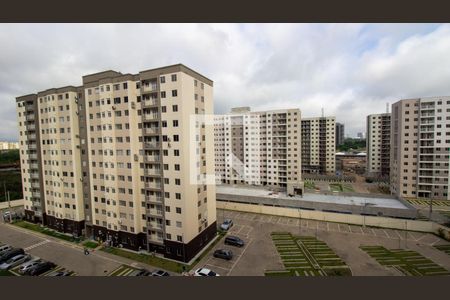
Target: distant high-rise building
360	135
259	148
420	148
378	144
340	134
9	145
318	145
115	159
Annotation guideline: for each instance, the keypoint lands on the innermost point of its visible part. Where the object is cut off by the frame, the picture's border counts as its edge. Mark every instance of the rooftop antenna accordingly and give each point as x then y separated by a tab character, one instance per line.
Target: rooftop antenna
387	107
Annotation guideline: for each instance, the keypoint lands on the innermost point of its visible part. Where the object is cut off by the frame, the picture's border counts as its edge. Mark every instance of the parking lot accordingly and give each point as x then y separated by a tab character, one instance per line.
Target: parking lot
259	254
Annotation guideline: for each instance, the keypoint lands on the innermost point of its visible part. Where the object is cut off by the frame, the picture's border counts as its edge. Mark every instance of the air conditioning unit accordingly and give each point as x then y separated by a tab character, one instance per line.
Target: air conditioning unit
113	107
136	158
81	179
133	105
77	136
77	112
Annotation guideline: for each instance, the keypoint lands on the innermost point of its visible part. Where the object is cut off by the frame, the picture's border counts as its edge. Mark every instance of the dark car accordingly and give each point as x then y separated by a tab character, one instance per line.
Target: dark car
234	241
10	254
160	273
40	268
60	273
223	253
140	272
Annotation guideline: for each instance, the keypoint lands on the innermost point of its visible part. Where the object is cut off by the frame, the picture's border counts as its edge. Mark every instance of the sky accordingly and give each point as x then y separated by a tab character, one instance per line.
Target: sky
349	70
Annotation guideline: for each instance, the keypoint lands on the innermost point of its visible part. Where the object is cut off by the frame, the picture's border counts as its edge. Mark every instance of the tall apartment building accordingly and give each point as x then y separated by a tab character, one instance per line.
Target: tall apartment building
259	148
123	158
318	145
378	144
420	148
340	134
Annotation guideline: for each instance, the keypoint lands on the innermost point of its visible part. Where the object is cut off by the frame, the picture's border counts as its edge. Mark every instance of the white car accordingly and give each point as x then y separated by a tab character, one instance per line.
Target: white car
15	261
205	272
29	264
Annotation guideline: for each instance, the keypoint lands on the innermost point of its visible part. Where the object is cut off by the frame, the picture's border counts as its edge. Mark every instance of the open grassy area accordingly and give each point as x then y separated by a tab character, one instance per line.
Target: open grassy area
444	248
408	262
45	230
306	256
341	187
310	185
13	181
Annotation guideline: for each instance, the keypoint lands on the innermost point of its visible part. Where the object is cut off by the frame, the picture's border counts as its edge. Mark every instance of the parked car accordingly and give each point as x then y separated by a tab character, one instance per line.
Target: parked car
140	272
15	261
60	273
223	253
40	268
227	224
205	272
4	248
10	254
160	273
29	264
234	241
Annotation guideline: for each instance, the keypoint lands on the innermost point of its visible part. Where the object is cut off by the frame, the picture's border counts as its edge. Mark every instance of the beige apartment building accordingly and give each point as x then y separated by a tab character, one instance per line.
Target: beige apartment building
420	148
318	145
9	145
123	158
259	148
378	144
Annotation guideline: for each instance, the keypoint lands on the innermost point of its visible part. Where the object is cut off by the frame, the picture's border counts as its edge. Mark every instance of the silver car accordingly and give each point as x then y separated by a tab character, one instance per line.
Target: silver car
227	224
29	264
15	261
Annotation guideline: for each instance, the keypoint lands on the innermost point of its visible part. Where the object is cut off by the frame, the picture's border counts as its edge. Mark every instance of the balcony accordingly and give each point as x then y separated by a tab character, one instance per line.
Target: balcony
148	87
153	172
152	145
151	130
32	156
30	127
34	175
36	194
35	185
151	117
150	102
155	225
152	158
29	117
32	146
34	166
153	185
154	199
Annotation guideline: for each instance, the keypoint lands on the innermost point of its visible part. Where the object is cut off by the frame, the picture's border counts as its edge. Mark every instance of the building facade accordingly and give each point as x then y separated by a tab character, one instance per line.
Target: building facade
420	148
340	134
124	159
9	145
259	148
378	144
318	145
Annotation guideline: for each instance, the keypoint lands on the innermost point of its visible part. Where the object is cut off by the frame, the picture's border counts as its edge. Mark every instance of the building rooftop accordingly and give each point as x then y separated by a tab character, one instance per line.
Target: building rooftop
312	197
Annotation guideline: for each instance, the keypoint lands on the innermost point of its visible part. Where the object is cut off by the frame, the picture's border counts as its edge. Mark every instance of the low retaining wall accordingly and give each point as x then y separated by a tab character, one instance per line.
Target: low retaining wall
14	203
401	224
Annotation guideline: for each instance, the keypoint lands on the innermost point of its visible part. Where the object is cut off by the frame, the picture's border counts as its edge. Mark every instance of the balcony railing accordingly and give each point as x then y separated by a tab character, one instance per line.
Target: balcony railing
151	117
152	145
151	130
153	185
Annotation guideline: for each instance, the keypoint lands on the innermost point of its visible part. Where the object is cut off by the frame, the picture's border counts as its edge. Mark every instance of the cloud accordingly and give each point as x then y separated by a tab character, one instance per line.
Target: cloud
350	70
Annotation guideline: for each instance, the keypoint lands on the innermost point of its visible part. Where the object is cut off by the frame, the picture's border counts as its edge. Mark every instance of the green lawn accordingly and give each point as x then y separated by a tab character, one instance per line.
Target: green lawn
408	262
45	230
160	262
90	244
306	256
310	185
13	182
341	187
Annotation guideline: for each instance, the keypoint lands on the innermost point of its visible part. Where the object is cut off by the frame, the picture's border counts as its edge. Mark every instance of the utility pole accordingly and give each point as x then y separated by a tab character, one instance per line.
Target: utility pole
10	211
431	208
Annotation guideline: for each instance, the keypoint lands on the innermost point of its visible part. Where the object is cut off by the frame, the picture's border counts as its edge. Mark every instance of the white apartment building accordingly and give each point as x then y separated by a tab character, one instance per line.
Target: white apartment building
259	148
318	145
378	144
116	159
420	148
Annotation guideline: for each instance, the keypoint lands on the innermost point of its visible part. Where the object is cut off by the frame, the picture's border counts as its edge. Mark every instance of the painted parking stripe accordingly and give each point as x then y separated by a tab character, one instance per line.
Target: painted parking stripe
387	235
37	245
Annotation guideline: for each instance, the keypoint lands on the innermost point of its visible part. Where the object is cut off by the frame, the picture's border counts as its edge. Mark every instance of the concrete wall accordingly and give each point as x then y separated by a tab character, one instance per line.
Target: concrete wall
14	203
413	225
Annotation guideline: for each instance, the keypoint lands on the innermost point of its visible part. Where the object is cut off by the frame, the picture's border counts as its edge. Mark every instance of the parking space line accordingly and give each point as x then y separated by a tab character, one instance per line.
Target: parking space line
438	240
373	231
396	231
424	235
36	245
339	227
242	254
328	227
214	266
387	235
362	231
349	229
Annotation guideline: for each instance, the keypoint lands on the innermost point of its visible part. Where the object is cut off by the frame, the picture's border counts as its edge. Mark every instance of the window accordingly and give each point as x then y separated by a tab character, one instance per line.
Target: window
162	79
163	94
125	85
175	123
174	77
178	210
174	93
